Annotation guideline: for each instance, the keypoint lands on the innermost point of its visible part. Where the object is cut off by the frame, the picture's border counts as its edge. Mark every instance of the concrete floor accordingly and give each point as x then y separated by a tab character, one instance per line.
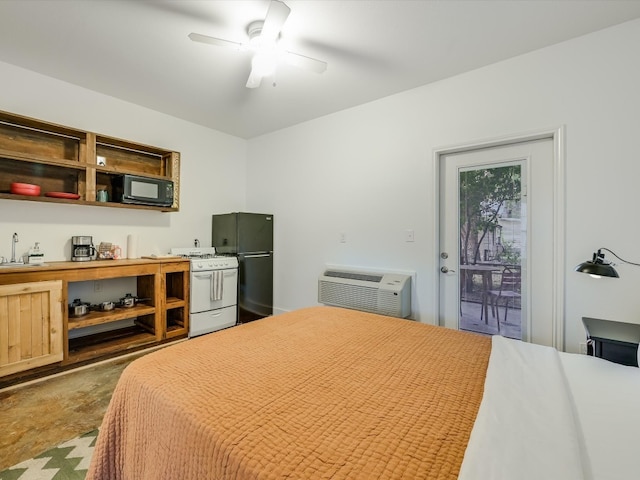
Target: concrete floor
470	320
41	415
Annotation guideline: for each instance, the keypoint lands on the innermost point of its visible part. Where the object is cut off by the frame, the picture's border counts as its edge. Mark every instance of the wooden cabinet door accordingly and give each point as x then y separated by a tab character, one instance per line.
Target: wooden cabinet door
30	325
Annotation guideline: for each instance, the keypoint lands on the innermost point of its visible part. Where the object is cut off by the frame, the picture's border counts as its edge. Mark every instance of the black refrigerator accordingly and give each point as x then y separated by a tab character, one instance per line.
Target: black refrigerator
248	236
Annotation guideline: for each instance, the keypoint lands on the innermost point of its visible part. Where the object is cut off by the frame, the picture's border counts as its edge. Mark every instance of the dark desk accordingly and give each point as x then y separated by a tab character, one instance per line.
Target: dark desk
613	341
624	353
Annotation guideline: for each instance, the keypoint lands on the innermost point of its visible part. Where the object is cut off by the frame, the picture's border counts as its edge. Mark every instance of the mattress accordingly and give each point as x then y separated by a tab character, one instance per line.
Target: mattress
321	392
606	397
554	415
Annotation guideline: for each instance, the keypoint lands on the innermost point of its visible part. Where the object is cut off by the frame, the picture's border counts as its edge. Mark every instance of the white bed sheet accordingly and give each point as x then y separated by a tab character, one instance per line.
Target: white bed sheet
526	427
550	415
607	402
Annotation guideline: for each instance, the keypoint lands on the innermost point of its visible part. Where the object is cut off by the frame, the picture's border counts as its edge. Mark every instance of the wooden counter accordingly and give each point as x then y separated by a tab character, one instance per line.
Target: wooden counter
29	332
94	264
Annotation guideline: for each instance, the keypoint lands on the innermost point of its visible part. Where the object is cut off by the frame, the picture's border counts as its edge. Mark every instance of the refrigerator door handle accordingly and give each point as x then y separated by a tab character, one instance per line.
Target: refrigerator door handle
259	255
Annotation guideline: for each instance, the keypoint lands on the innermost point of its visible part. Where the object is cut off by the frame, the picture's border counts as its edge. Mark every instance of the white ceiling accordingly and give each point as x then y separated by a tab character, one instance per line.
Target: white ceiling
138	50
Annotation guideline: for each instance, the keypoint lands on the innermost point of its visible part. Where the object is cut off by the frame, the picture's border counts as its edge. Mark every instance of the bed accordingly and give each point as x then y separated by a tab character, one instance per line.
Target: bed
325	392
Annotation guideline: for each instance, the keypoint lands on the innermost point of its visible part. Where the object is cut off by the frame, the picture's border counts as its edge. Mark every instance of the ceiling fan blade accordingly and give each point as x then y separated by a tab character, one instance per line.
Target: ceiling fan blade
273	23
197	37
254	79
306	63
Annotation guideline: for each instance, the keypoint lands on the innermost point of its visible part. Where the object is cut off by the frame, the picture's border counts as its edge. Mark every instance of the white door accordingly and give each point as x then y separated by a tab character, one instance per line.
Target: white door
496	242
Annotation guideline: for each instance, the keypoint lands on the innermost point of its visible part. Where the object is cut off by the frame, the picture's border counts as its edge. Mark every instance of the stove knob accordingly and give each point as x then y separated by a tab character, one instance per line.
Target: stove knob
210	264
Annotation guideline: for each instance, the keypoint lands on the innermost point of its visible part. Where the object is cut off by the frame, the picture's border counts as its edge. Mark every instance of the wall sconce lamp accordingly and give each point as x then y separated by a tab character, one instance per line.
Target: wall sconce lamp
598	267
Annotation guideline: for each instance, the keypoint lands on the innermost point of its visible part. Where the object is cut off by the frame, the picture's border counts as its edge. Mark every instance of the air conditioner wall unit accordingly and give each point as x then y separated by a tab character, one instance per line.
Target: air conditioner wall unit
383	293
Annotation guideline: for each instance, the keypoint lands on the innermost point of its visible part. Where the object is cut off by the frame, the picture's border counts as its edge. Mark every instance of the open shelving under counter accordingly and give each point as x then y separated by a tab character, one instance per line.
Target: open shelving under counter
161	314
100	318
115	342
176	288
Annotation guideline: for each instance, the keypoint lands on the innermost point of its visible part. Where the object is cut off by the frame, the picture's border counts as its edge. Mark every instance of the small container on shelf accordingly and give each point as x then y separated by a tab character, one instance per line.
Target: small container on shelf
25	189
109	251
35	255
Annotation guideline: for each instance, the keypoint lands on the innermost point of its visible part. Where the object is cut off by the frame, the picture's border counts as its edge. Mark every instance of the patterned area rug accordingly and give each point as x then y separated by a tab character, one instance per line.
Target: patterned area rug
68	461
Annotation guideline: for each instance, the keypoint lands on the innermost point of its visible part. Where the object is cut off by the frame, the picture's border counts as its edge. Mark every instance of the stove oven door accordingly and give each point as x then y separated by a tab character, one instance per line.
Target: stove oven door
212	320
213	289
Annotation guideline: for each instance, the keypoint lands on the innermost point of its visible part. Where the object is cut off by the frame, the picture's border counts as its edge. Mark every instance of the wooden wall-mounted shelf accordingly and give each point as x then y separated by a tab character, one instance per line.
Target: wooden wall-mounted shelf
63	159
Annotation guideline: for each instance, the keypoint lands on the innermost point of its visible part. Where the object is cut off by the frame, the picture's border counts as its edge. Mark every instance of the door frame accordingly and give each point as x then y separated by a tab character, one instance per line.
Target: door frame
557	135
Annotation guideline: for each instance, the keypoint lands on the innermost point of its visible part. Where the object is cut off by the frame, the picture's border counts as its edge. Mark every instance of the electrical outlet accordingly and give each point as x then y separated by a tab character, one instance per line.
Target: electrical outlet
583	348
409	236
97	286
343	237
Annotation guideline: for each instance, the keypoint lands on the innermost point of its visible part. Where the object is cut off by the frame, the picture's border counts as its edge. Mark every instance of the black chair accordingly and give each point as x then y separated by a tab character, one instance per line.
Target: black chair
510	282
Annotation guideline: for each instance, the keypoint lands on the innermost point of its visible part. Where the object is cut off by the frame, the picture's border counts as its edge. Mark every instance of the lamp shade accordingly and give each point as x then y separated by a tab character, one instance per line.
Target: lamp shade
597	268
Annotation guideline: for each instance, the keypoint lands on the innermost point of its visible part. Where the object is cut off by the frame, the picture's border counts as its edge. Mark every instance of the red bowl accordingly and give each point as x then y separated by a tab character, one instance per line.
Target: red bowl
25	189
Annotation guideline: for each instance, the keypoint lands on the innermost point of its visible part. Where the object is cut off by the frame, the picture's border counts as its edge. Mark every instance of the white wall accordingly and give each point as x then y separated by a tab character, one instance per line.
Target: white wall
368	172
206	156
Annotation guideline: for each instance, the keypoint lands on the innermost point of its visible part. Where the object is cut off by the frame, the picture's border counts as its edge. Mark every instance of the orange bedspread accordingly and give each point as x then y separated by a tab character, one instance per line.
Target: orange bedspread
317	393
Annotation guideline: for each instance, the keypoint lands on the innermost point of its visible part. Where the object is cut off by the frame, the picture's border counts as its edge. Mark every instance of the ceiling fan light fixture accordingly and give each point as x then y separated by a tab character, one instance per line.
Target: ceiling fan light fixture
257	41
264	62
264	41
254	29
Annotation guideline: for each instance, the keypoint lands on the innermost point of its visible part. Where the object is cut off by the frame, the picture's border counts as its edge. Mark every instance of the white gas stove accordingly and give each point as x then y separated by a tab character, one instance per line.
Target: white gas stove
213	288
205	258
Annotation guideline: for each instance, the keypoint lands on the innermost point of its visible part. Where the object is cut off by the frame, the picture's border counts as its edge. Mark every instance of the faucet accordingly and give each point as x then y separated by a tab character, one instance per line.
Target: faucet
14	240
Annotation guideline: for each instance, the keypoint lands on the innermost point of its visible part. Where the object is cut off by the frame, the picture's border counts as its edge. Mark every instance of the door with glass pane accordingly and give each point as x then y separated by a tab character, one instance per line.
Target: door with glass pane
489	234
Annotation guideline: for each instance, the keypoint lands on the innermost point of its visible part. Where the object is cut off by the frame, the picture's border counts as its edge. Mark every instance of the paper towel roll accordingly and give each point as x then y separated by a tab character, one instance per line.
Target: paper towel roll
132	246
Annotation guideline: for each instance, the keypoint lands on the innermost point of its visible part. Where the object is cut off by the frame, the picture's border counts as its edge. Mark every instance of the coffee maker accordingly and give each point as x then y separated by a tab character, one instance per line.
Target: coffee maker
82	249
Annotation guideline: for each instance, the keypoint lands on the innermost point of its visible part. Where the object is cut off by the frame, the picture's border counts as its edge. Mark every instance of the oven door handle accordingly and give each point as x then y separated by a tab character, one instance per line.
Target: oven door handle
203	275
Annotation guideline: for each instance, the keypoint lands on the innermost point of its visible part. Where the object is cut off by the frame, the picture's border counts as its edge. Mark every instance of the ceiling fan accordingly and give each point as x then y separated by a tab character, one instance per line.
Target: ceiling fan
263	42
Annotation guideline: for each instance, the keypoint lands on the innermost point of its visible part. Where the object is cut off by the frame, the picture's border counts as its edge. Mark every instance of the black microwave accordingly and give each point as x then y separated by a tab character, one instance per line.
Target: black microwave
142	190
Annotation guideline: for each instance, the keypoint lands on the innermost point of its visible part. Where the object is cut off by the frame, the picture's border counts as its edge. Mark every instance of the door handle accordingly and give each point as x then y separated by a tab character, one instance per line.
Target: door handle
258	255
447	270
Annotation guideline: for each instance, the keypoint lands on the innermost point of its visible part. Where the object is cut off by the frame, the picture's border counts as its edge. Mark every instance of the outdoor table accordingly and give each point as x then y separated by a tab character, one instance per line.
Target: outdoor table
486	271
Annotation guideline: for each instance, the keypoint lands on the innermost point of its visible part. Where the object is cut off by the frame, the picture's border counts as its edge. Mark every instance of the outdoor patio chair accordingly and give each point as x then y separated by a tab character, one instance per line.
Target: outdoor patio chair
509	291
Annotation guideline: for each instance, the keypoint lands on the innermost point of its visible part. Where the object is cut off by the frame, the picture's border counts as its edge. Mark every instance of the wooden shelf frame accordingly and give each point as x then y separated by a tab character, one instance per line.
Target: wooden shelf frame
116	315
63	159
107	344
165	317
